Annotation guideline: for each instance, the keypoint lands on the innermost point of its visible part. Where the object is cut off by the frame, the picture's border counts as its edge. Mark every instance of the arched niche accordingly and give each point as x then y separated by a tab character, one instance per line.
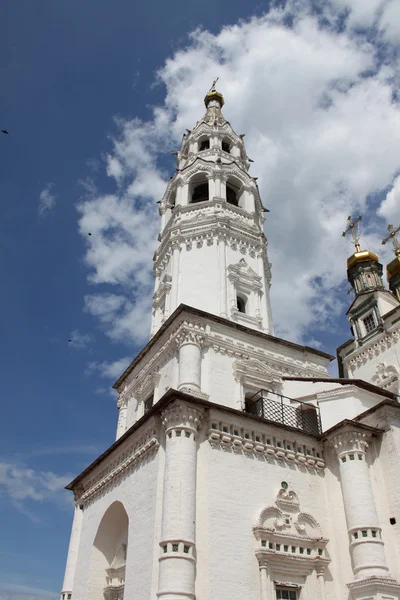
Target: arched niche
107	566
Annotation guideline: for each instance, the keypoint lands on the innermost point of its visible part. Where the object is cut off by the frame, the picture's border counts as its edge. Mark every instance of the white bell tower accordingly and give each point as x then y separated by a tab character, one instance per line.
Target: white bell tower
212	254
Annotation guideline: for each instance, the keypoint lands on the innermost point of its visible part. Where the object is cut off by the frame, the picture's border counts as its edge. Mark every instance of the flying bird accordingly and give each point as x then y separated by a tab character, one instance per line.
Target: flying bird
4	131
89	234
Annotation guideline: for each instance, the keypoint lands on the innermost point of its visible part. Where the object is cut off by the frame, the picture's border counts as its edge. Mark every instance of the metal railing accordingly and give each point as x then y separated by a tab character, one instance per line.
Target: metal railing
284	410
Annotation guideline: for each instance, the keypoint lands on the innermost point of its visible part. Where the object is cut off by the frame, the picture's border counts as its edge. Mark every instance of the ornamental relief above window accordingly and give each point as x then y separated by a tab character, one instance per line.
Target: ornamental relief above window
289	541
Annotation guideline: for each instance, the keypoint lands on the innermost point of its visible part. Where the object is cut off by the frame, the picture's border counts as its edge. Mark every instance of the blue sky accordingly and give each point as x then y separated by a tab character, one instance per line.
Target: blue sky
95	95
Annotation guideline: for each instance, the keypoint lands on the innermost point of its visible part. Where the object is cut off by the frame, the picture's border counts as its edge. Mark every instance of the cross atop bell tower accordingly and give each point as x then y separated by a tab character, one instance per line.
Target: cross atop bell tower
393	268
212	253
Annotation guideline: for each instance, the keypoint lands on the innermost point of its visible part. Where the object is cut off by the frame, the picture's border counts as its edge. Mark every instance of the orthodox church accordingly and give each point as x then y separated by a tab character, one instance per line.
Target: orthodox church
241	469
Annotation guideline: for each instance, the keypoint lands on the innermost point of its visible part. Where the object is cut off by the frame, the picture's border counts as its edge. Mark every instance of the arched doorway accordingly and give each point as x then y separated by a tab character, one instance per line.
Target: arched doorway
107	566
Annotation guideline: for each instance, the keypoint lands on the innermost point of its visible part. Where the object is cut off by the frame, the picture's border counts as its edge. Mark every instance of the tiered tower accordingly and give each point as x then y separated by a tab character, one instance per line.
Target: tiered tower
371	355
212	252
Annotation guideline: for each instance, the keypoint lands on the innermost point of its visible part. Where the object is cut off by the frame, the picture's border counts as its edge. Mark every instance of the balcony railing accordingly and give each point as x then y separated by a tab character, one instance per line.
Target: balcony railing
286	411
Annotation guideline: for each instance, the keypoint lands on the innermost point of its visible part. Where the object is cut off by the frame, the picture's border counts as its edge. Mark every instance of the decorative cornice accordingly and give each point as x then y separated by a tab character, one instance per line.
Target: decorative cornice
375	582
372	348
268	447
120	463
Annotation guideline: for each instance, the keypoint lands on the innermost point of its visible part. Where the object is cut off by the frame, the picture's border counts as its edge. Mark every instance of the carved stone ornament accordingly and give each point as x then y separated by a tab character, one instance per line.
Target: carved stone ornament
289	538
255	373
243	275
386	376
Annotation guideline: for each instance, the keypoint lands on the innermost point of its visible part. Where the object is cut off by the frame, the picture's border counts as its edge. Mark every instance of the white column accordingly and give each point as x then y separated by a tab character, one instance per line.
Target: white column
176	256
189	345
266	310
366	545
321	582
72	552
222	276
211	187
217	185
266	583
122	415
177	572
223	187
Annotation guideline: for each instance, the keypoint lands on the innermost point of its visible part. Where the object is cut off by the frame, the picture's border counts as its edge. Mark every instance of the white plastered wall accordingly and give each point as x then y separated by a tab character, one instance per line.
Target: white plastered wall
133	491
233	488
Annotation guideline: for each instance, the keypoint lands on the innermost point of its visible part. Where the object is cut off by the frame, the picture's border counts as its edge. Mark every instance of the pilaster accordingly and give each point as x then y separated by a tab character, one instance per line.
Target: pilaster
70	568
365	535
189	343
177	571
122	405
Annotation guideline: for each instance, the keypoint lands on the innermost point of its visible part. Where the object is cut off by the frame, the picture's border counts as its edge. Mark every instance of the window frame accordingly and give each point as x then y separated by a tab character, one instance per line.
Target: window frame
370	317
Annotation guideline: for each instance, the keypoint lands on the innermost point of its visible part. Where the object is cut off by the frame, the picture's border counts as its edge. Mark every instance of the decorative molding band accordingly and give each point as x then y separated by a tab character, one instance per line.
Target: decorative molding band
117	466
263	446
372	349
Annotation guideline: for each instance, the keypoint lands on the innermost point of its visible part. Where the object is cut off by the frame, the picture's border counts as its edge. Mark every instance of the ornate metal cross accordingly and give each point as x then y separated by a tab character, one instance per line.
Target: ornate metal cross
355	235
214	83
392	236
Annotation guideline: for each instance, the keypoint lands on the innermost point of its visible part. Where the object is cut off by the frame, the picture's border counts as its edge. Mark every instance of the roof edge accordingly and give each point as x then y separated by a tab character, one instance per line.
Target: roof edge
201	313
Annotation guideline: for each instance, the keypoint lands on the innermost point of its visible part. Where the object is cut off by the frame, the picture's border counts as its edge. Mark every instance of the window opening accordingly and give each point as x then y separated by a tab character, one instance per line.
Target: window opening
286	594
369	323
200	193
231	196
226	147
204	145
241	304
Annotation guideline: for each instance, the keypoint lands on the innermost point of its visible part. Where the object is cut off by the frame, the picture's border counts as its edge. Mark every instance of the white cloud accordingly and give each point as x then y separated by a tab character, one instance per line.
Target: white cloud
79	340
47	200
323	128
22	485
109	370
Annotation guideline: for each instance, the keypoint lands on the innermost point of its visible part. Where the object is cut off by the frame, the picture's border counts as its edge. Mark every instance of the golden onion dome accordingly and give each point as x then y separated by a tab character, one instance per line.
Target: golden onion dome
393	268
361	256
213	95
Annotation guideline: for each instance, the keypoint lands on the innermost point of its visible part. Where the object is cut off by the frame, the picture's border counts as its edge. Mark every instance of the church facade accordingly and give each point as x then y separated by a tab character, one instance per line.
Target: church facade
241	469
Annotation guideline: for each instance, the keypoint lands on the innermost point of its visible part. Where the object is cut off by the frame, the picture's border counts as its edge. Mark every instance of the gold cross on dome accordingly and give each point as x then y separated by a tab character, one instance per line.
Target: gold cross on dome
392	236
355	234
214	83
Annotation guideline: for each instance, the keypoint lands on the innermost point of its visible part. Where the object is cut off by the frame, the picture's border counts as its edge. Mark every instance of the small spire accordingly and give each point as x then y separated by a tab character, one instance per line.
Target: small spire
392	236
355	234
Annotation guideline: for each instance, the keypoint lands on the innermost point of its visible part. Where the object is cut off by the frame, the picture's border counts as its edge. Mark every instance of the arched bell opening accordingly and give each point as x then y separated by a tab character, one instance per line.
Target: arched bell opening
199	189
226	145
106	578
204	143
234	191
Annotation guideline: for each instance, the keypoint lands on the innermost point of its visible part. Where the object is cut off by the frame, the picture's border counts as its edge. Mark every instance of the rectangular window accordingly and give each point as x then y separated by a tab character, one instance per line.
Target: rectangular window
286	594
369	323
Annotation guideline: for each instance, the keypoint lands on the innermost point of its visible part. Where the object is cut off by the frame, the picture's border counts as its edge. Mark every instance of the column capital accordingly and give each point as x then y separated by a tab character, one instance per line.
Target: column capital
262	560
181	414
350	440
190	334
122	401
